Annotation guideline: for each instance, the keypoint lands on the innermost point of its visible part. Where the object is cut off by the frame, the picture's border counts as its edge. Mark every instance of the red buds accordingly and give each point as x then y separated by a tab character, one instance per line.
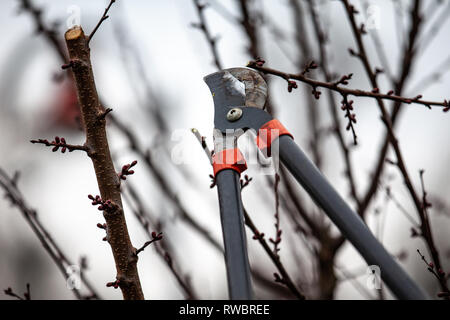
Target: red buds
344	79
59	143
101	226
126	170
310	66
446	106
258	236
67	65
277	240
157	236
96	200
316	93
105	205
292	85
347	106
114	284
259	62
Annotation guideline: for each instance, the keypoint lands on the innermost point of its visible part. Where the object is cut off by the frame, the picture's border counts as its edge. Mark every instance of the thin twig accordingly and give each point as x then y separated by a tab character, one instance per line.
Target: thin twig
416	19
50	33
284	278
439	274
277	239
202	140
304	47
321	40
346	91
379	46
212	41
26	295
407	62
428	236
103	18
156	237
60	143
248	22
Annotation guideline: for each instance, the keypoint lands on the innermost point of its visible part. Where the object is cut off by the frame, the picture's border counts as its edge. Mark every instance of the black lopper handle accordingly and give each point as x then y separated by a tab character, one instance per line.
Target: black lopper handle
231	214
348	222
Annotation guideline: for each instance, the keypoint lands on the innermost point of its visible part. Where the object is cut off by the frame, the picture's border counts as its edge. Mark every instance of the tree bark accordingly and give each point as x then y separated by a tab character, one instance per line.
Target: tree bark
94	124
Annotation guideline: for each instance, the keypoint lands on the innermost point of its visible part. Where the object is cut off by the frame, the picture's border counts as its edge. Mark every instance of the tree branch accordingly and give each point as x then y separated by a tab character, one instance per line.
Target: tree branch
333	86
26	295
155	237
103	18
108	181
321	39
408	57
212	41
60	143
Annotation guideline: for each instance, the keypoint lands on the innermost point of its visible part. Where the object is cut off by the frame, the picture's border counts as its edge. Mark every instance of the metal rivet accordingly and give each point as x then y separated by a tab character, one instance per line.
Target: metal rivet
234	114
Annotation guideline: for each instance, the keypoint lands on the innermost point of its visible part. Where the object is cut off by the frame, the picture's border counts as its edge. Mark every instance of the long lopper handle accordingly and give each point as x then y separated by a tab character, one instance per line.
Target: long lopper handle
348	222
231	214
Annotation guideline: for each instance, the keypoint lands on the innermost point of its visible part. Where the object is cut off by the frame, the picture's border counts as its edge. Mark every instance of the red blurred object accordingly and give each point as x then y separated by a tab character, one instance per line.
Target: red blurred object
64	110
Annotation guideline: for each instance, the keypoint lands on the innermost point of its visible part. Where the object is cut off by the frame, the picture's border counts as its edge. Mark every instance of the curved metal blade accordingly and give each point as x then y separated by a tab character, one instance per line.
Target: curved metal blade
237	87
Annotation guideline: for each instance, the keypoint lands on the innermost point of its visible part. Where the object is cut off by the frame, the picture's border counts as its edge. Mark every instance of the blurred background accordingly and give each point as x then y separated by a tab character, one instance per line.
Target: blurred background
149	61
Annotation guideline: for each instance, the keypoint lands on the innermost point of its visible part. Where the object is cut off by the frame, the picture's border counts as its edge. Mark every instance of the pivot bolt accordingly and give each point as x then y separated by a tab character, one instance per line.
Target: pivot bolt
234	114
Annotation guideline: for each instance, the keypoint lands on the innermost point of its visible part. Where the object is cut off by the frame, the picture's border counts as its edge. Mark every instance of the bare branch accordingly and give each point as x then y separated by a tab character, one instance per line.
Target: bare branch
276	241
156	237
103	18
212	41
202	140
60	143
321	38
108	182
26	295
346	91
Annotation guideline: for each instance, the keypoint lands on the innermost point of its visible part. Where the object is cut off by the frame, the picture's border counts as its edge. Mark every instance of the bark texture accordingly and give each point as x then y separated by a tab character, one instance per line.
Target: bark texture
94	124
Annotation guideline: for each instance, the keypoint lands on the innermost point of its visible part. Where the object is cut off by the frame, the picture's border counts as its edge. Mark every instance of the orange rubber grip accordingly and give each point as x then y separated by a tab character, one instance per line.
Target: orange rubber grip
229	159
268	133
